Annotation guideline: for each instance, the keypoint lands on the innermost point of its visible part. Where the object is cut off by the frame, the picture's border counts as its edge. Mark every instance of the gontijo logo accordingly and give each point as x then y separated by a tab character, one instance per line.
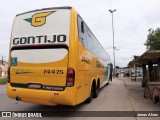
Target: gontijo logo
38	19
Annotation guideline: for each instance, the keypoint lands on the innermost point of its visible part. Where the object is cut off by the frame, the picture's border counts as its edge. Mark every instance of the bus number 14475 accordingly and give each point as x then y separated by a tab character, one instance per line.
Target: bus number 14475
47	71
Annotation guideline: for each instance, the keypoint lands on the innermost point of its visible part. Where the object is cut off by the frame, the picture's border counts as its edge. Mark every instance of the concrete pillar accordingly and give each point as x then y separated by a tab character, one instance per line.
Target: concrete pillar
144	71
131	74
158	70
135	72
0	70
150	68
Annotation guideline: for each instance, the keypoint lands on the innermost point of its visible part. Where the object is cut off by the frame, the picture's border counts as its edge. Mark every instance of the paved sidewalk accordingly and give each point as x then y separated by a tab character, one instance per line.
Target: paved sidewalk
139	102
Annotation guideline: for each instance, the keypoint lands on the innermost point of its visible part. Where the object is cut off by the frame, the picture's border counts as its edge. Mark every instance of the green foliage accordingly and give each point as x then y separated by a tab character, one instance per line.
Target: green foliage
3	80
117	67
153	40
135	57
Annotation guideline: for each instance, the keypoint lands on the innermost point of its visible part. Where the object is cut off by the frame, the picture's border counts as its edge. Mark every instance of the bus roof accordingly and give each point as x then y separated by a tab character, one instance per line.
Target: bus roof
65	7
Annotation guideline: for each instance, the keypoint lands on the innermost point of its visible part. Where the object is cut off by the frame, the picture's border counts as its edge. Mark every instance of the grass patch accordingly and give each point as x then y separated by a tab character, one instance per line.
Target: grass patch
3	80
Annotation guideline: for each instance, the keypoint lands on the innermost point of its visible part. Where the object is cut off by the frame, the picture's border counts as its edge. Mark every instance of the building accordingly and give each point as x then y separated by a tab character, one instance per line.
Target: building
3	68
124	71
150	63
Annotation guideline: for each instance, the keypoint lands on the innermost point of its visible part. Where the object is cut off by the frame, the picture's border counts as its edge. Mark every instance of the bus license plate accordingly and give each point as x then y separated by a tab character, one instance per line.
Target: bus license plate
35	86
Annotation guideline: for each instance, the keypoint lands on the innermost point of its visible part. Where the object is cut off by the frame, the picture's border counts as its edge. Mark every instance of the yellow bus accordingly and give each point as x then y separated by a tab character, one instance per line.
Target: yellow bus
54	58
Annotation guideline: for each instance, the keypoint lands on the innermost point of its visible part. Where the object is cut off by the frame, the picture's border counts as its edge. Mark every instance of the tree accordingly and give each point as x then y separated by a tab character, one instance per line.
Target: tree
135	57
117	67
153	40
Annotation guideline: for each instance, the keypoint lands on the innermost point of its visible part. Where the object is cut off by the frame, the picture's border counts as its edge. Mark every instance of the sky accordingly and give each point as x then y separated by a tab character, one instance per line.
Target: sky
132	20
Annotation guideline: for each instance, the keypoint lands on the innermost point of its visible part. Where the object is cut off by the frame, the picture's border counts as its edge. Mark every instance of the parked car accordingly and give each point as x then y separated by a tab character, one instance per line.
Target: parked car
137	73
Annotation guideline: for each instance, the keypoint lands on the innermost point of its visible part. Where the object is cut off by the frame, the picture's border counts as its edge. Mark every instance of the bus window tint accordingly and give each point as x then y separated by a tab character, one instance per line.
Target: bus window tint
90	42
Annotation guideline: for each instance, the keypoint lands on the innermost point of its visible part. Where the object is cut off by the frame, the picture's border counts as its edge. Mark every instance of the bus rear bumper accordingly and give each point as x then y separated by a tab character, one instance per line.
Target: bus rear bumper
66	97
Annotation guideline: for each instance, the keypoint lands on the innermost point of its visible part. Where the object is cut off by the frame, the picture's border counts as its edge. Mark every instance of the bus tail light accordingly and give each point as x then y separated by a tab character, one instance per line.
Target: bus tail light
9	74
70	77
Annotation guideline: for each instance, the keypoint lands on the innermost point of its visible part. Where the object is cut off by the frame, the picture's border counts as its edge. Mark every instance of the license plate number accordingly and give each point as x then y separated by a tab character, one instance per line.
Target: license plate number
35	86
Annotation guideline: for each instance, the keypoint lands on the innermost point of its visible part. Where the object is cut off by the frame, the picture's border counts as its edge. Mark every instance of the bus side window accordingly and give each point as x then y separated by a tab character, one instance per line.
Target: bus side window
82	27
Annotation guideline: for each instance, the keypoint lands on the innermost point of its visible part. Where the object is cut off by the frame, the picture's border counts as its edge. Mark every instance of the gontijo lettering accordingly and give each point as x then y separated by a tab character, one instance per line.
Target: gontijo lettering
39	39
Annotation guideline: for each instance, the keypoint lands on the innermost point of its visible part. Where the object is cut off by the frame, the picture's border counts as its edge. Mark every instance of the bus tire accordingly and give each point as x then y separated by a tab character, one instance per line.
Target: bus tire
89	100
96	91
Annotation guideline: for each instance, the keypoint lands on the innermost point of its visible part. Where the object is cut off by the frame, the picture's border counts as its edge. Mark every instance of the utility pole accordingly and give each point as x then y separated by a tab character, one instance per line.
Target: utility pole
2	60
112	11
3	64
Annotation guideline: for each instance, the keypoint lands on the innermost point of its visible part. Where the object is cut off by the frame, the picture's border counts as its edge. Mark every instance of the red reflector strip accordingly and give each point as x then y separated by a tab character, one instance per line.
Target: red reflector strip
56	93
13	89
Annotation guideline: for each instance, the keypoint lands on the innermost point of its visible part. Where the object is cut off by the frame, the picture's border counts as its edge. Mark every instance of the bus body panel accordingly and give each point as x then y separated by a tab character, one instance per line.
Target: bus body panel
67	97
53	74
41	54
93	60
34	67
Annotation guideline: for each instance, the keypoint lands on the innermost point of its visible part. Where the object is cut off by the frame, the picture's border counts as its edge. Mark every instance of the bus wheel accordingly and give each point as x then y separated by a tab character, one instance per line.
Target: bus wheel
89	100
96	91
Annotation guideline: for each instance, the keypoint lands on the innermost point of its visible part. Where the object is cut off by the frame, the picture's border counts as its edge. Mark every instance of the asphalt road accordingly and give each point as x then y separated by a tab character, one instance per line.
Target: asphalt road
112	97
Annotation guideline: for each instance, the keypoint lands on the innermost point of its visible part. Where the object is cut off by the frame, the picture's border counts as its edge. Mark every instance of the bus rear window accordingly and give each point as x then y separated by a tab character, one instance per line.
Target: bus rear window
38	54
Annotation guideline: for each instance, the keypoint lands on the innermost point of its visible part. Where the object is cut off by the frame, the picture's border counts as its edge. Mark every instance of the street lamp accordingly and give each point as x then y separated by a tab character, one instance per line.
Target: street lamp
112	11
